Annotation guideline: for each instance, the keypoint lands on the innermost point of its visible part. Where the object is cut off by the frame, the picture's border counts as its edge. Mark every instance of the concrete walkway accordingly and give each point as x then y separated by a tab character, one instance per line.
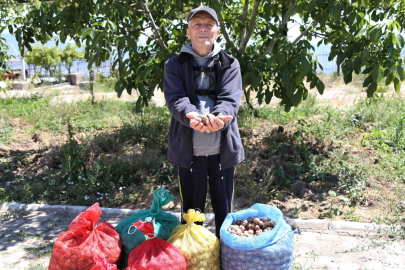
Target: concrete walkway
27	234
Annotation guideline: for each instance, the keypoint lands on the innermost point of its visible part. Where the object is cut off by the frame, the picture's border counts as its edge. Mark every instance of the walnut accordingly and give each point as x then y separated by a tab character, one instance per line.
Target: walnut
251	231
258	232
261	223
245	222
271	223
250	220
257	227
238	222
265	219
242	228
256	220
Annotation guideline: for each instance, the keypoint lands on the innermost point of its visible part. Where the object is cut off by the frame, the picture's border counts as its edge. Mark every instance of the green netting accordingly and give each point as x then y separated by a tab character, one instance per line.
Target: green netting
163	223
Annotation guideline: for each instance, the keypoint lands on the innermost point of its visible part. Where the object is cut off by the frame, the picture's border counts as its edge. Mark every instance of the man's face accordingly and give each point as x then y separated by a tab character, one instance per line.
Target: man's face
202	30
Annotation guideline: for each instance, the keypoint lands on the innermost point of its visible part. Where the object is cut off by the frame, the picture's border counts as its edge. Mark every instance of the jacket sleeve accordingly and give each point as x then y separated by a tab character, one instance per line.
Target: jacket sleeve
230	94
175	94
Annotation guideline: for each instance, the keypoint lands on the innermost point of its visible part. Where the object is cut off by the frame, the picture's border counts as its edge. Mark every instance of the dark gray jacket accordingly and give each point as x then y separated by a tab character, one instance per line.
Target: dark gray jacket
180	97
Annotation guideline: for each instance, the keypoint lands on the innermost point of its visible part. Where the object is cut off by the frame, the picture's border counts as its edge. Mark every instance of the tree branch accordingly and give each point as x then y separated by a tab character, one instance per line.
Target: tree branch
283	23
155	28
252	22
244	18
229	42
138	10
305	31
318	34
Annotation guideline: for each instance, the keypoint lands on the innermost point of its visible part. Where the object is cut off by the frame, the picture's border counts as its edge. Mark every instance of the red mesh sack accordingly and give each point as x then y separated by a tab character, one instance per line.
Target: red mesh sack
76	248
155	253
102	264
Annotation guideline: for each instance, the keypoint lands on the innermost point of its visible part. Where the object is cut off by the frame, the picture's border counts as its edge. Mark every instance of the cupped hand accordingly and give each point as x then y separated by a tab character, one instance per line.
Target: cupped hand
194	123
217	124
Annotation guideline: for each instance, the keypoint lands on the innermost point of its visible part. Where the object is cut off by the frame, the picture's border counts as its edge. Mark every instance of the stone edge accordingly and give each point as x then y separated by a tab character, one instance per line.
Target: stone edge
295	223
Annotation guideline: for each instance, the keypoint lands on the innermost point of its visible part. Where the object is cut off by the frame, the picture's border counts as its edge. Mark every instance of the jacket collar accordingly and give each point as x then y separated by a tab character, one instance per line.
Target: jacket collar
225	59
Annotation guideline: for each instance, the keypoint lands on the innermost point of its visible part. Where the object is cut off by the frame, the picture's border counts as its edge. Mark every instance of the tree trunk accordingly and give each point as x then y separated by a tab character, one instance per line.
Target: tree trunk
248	101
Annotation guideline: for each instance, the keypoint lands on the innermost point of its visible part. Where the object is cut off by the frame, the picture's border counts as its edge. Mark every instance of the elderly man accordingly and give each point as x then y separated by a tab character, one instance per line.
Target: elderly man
204	79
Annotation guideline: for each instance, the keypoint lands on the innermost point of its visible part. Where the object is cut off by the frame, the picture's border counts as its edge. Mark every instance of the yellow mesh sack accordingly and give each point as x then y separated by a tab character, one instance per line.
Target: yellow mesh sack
200	247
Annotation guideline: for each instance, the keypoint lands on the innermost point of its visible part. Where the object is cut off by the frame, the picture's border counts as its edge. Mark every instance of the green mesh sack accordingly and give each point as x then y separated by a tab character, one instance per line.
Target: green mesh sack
163	223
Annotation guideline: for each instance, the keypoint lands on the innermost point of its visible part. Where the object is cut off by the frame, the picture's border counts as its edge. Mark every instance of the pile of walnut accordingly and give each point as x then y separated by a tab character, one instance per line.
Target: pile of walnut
252	226
205	117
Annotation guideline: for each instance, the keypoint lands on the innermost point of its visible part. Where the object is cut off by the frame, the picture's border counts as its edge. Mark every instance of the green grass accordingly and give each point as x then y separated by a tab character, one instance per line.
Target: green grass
37	111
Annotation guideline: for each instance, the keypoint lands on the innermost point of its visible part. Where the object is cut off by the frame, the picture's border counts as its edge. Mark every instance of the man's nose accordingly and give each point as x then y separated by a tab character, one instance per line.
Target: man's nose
204	28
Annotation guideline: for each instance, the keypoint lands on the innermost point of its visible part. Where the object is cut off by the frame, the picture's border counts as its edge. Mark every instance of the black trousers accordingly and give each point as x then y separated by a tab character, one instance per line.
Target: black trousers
193	187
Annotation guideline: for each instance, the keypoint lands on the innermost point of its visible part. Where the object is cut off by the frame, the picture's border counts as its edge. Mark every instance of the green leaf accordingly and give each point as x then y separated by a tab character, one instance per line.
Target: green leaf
271	59
290	89
351	18
119	88
357	65
321	87
400	39
364	55
347	77
359	32
305	66
368	80
378	72
216	5
401	72
138	107
132	43
179	5
85	32
335	12
367	70
313	82
268	95
397	84
389	79
90	63
256	81
141	89
298	79
340	59
371	89
376	34
296	98
281	58
286	79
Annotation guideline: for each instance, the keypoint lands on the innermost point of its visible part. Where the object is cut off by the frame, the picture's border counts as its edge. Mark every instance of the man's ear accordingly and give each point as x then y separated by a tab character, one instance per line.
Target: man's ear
188	34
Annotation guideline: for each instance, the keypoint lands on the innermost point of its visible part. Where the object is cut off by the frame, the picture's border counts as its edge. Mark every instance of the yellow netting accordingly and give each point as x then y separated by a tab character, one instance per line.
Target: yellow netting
199	246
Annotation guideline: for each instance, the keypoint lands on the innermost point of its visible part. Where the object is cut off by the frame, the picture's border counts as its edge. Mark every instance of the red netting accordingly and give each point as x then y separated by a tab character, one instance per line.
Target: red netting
76	248
102	264
155	253
145	227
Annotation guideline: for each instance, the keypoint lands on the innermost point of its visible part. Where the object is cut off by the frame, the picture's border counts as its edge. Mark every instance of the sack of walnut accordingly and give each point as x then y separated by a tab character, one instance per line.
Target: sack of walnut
199	246
271	249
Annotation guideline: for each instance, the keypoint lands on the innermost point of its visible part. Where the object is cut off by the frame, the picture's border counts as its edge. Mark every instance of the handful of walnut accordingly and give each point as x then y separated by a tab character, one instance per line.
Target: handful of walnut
253	226
205	117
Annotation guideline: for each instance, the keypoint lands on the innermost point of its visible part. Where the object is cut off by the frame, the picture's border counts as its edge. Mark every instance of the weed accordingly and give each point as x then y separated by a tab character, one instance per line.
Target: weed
37	267
13	212
350	216
333	210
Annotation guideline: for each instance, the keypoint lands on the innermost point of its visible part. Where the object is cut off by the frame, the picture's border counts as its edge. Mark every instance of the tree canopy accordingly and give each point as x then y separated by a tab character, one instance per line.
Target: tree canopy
365	35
